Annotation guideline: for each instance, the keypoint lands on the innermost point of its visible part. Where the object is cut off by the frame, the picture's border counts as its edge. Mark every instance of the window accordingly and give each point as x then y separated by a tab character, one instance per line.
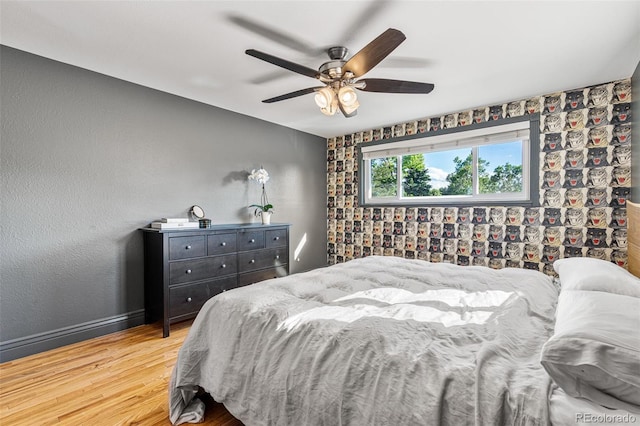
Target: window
482	164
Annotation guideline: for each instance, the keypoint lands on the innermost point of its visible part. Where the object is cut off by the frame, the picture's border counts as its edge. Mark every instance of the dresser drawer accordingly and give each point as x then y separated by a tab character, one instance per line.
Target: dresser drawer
260	259
264	274
221	243
200	269
250	240
186	247
188	299
275	238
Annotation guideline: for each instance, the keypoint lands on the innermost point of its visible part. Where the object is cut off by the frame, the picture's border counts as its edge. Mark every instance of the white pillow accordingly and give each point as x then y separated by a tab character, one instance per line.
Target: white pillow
566	410
595	350
583	273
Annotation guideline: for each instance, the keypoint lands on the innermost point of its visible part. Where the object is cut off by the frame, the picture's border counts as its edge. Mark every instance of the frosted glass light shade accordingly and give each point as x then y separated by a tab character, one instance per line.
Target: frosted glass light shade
332	108
324	97
350	110
347	96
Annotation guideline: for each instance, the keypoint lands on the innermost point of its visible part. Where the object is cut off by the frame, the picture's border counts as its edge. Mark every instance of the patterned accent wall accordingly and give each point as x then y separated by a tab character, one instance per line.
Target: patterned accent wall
585	179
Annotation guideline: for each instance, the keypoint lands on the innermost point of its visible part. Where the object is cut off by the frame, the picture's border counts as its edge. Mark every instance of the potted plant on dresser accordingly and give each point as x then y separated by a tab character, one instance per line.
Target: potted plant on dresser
264	209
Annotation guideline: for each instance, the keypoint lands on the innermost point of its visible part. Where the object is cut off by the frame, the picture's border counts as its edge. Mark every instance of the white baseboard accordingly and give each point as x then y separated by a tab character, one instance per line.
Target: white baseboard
36	343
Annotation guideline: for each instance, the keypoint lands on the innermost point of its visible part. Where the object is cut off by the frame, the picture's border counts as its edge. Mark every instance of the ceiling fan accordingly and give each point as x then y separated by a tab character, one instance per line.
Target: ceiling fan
341	76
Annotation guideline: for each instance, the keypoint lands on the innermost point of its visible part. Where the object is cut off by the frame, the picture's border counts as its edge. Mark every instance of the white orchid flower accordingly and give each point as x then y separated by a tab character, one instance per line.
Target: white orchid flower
260	175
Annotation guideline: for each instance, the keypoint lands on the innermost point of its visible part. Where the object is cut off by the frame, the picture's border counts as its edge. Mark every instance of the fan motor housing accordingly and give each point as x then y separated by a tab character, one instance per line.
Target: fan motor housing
337	52
331	69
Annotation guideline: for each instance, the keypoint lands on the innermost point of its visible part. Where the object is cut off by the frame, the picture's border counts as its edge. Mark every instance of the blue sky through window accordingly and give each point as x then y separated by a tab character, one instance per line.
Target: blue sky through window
440	163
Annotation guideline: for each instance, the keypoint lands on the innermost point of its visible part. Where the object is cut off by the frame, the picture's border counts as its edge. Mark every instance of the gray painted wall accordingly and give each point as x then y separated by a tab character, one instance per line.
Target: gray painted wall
635	134
87	159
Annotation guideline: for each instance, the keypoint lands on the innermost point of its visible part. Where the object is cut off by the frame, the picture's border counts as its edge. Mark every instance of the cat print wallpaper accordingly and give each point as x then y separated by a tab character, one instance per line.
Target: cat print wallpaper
585	172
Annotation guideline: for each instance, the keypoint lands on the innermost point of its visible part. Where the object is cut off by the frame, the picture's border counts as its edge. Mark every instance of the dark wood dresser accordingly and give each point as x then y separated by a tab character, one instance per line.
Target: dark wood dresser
184	268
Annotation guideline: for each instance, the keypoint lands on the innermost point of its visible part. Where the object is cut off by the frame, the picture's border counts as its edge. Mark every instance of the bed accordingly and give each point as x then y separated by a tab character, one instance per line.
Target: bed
392	341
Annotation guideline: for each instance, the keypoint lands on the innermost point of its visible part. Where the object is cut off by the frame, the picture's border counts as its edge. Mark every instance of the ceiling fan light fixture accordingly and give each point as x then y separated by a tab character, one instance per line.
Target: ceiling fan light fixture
350	111
324	97
347	96
332	108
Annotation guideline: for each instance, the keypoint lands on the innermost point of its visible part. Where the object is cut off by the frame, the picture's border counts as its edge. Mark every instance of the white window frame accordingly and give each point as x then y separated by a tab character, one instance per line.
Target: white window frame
520	130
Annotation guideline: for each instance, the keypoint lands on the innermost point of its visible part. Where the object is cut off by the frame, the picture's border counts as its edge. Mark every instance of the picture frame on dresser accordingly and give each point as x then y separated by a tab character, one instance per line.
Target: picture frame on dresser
183	268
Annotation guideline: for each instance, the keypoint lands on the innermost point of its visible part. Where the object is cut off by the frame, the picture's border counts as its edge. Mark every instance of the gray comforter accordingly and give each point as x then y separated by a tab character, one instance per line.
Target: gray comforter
374	341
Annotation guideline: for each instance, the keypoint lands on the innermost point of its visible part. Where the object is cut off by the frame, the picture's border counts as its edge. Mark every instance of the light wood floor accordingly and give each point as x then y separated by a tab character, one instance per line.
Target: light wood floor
118	379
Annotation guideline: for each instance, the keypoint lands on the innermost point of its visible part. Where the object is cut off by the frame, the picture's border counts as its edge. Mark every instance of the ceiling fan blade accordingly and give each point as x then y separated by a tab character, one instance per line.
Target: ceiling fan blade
291	66
394	86
273	34
292	95
374	52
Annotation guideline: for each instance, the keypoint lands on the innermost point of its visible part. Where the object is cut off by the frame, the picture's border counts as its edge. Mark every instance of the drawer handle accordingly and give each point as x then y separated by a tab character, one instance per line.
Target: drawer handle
189	299
187	247
253	261
224	243
253	240
188	271
276	238
224	265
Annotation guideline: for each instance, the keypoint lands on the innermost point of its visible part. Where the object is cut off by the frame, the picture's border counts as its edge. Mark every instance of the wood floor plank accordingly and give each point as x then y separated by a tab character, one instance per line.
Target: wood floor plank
118	379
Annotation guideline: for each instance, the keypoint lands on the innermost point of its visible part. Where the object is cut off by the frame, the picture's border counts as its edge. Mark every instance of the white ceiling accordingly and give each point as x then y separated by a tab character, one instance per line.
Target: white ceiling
477	53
